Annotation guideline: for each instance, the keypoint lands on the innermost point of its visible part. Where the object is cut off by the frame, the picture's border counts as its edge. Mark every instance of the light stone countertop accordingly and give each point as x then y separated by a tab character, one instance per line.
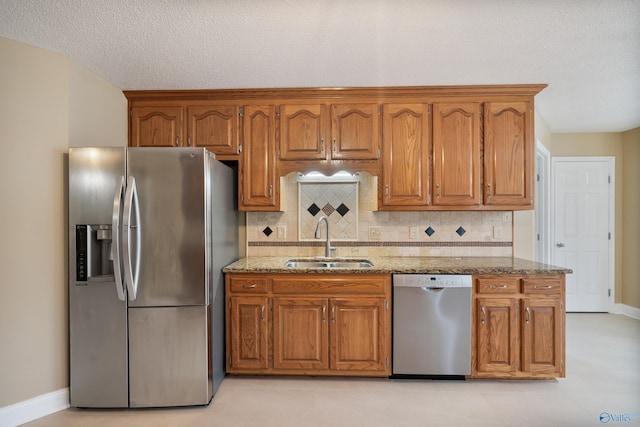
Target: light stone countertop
399	265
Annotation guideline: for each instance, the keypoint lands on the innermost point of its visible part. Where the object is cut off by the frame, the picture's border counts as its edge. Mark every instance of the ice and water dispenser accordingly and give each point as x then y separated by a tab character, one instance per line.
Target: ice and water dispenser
94	260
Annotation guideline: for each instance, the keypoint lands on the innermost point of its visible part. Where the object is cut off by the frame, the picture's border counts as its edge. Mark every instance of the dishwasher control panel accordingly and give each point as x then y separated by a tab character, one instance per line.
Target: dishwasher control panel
432	280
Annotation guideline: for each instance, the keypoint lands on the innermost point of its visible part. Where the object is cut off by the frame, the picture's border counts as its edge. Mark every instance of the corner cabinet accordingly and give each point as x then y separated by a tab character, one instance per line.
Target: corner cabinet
296	324
519	327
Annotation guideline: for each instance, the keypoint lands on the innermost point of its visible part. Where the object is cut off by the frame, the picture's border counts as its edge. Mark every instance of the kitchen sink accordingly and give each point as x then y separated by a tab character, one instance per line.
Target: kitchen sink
357	263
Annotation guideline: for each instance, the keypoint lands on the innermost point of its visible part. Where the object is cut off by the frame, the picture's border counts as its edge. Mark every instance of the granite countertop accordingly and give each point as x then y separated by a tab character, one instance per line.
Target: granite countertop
409	265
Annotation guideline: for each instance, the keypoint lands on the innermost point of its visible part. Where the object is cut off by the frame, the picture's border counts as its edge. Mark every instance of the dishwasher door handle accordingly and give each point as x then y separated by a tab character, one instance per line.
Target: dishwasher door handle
431	289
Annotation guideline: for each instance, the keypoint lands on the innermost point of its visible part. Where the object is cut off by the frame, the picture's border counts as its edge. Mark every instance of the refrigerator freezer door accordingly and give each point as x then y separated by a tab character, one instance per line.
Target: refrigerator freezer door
169	356
97	318
171	195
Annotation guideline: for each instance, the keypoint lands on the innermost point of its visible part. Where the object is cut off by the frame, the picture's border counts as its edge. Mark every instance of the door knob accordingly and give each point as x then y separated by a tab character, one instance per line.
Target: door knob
560	245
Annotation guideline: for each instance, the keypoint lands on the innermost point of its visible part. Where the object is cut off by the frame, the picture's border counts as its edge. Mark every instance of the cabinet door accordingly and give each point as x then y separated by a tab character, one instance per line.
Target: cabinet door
508	153
497	341
249	332
156	126
358	334
542	336
303	129
259	189
405	155
300	333
355	131
456	154
213	127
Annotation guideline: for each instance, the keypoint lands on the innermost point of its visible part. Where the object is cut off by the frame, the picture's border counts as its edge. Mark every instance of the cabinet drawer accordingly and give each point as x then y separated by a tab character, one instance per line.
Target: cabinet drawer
538	286
249	284
330	285
497	285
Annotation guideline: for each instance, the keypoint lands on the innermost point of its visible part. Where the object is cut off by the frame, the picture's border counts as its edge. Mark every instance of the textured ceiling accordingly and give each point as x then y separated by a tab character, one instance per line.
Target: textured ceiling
588	51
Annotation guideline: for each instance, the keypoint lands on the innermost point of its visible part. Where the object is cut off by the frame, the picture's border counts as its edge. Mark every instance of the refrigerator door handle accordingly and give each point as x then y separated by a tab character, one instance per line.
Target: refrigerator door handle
115	243
131	267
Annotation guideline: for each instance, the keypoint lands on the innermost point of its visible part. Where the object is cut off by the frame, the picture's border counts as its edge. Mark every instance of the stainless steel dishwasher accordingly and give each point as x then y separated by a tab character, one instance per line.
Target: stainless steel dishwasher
431	326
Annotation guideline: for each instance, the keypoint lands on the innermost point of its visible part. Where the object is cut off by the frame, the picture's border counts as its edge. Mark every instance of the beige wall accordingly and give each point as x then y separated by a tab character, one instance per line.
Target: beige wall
47	103
631	218
599	144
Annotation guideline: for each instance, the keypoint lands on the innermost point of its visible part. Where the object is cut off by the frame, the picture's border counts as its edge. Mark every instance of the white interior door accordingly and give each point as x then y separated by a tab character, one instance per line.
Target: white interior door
582	221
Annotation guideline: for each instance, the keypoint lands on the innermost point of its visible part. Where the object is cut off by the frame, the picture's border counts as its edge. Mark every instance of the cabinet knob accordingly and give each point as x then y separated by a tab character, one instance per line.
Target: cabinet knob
560	245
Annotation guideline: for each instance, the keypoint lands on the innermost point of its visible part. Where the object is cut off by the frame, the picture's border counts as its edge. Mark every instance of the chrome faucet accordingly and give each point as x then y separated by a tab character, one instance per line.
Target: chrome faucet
328	248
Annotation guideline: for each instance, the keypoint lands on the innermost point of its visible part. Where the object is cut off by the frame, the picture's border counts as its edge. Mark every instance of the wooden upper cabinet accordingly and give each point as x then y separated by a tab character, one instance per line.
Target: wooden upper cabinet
456	154
156	126
336	132
355	131
303	130
508	153
405	156
259	186
213	127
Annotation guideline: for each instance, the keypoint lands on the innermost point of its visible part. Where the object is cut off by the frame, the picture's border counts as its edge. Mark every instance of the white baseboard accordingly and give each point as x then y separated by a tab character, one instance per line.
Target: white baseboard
37	407
628	310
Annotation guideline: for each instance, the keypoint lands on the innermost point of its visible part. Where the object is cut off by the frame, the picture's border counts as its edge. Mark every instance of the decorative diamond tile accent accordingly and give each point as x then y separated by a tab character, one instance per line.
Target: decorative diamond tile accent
313	209
461	231
322	198
328	209
429	231
342	209
267	231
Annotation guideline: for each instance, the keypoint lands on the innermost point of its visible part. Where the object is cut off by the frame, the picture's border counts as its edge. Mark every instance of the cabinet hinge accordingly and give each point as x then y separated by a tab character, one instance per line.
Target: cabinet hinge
378	153
386	362
241	111
538	177
239	148
131	112
229	360
609	235
278	153
429	108
386	305
278	112
609	179
242	198
379	109
538	237
229	304
271	361
517	364
271	304
609	292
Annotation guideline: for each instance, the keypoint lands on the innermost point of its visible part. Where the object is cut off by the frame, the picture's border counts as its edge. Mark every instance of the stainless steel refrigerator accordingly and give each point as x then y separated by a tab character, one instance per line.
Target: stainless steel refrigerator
149	231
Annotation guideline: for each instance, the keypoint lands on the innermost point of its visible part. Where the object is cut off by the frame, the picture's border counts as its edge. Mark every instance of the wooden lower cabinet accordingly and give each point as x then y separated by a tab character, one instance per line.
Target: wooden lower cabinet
312	324
519	327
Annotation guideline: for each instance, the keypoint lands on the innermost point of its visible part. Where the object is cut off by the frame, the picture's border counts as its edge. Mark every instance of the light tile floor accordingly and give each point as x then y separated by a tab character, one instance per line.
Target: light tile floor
603	375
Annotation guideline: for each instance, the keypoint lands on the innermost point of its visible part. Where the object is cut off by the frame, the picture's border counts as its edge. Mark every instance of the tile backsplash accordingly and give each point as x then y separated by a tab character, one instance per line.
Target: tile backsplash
357	229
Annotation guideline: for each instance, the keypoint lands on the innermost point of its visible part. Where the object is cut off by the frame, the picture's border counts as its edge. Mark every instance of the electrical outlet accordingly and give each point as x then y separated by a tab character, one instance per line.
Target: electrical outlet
497	232
282	232
413	232
374	232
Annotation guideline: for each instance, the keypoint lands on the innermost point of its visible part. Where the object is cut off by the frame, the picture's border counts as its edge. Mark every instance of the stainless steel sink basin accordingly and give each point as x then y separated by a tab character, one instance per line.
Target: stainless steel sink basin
357	263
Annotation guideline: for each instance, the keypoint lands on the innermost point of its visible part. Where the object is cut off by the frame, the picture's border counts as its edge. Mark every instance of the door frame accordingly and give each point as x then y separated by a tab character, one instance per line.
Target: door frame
543	203
611	163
